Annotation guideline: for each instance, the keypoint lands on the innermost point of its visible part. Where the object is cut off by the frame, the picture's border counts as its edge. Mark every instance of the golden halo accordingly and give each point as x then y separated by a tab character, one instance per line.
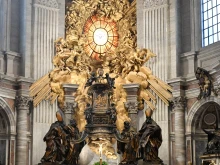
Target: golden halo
102	36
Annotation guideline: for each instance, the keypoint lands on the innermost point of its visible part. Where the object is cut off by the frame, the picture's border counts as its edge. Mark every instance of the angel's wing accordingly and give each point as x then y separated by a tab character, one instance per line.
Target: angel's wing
150	86
41	90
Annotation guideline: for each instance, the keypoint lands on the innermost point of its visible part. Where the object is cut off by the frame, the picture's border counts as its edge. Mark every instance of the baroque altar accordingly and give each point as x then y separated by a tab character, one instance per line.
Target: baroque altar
100	55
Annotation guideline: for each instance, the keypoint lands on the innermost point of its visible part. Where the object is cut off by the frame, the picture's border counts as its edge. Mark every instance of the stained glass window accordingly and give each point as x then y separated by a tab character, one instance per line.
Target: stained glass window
210	21
102	36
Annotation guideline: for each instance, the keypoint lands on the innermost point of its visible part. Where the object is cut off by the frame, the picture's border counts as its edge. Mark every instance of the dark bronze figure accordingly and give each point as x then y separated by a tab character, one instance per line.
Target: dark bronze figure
88	114
110	81
73	150
55	140
213	146
92	79
128	149
150	140
113	114
59	139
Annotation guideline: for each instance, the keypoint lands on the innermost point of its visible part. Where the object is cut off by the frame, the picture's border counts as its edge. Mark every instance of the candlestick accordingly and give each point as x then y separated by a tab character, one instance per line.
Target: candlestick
100	162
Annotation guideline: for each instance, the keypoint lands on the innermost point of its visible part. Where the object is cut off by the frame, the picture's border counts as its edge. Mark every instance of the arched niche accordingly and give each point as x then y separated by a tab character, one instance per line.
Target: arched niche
203	115
7	132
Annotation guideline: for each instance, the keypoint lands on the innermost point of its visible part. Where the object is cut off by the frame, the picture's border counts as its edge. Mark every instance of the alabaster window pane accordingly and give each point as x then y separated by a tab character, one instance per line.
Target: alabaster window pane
205	24
214	3
214	10
205	6
206	41
215	29
215	37
209	13
214	20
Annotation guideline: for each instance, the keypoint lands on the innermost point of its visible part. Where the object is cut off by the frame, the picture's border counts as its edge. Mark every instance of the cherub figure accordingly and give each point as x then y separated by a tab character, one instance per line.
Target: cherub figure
92	79
205	83
110	81
112	112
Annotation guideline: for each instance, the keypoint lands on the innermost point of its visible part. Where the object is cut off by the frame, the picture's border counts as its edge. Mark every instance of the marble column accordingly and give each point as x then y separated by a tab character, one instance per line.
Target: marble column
180	147
22	106
132	103
70	103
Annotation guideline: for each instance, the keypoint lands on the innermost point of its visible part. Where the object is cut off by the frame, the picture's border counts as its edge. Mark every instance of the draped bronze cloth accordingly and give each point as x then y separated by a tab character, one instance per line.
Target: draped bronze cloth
150	139
55	148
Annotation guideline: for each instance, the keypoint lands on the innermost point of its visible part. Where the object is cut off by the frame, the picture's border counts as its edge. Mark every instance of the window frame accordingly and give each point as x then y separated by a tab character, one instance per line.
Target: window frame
210	33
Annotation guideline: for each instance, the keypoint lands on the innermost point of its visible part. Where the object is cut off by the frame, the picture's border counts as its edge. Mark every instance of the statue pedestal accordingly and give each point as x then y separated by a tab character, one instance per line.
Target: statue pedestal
206	159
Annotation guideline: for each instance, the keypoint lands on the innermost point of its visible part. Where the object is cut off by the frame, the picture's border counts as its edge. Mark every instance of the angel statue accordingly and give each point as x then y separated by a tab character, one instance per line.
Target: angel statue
150	140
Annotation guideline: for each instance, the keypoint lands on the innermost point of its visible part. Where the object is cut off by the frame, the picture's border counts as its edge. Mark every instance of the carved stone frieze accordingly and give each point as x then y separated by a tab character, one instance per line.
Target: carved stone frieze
48	3
179	102
69	107
22	101
154	3
132	106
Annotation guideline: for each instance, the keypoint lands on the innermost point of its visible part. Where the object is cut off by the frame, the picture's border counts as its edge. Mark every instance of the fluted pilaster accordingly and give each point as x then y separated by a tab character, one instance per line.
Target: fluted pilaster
180	147
70	103
22	106
132	103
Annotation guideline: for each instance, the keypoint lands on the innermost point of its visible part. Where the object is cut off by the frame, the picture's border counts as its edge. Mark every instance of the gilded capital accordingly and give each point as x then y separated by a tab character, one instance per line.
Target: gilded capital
179	102
22	101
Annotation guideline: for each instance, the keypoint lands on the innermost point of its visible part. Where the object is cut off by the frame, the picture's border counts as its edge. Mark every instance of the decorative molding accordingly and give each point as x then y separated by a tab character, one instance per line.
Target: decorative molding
132	106
22	101
69	107
48	3
179	102
7	93
154	3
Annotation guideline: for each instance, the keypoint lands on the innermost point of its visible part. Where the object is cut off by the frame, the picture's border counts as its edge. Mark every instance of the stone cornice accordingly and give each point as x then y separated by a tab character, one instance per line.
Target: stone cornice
6	78
21	79
154	3
176	80
188	55
192	93
47	3
12	55
131	86
7	93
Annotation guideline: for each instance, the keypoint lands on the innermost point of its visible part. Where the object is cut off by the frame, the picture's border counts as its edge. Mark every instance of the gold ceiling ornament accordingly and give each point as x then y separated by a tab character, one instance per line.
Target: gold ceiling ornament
74	60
